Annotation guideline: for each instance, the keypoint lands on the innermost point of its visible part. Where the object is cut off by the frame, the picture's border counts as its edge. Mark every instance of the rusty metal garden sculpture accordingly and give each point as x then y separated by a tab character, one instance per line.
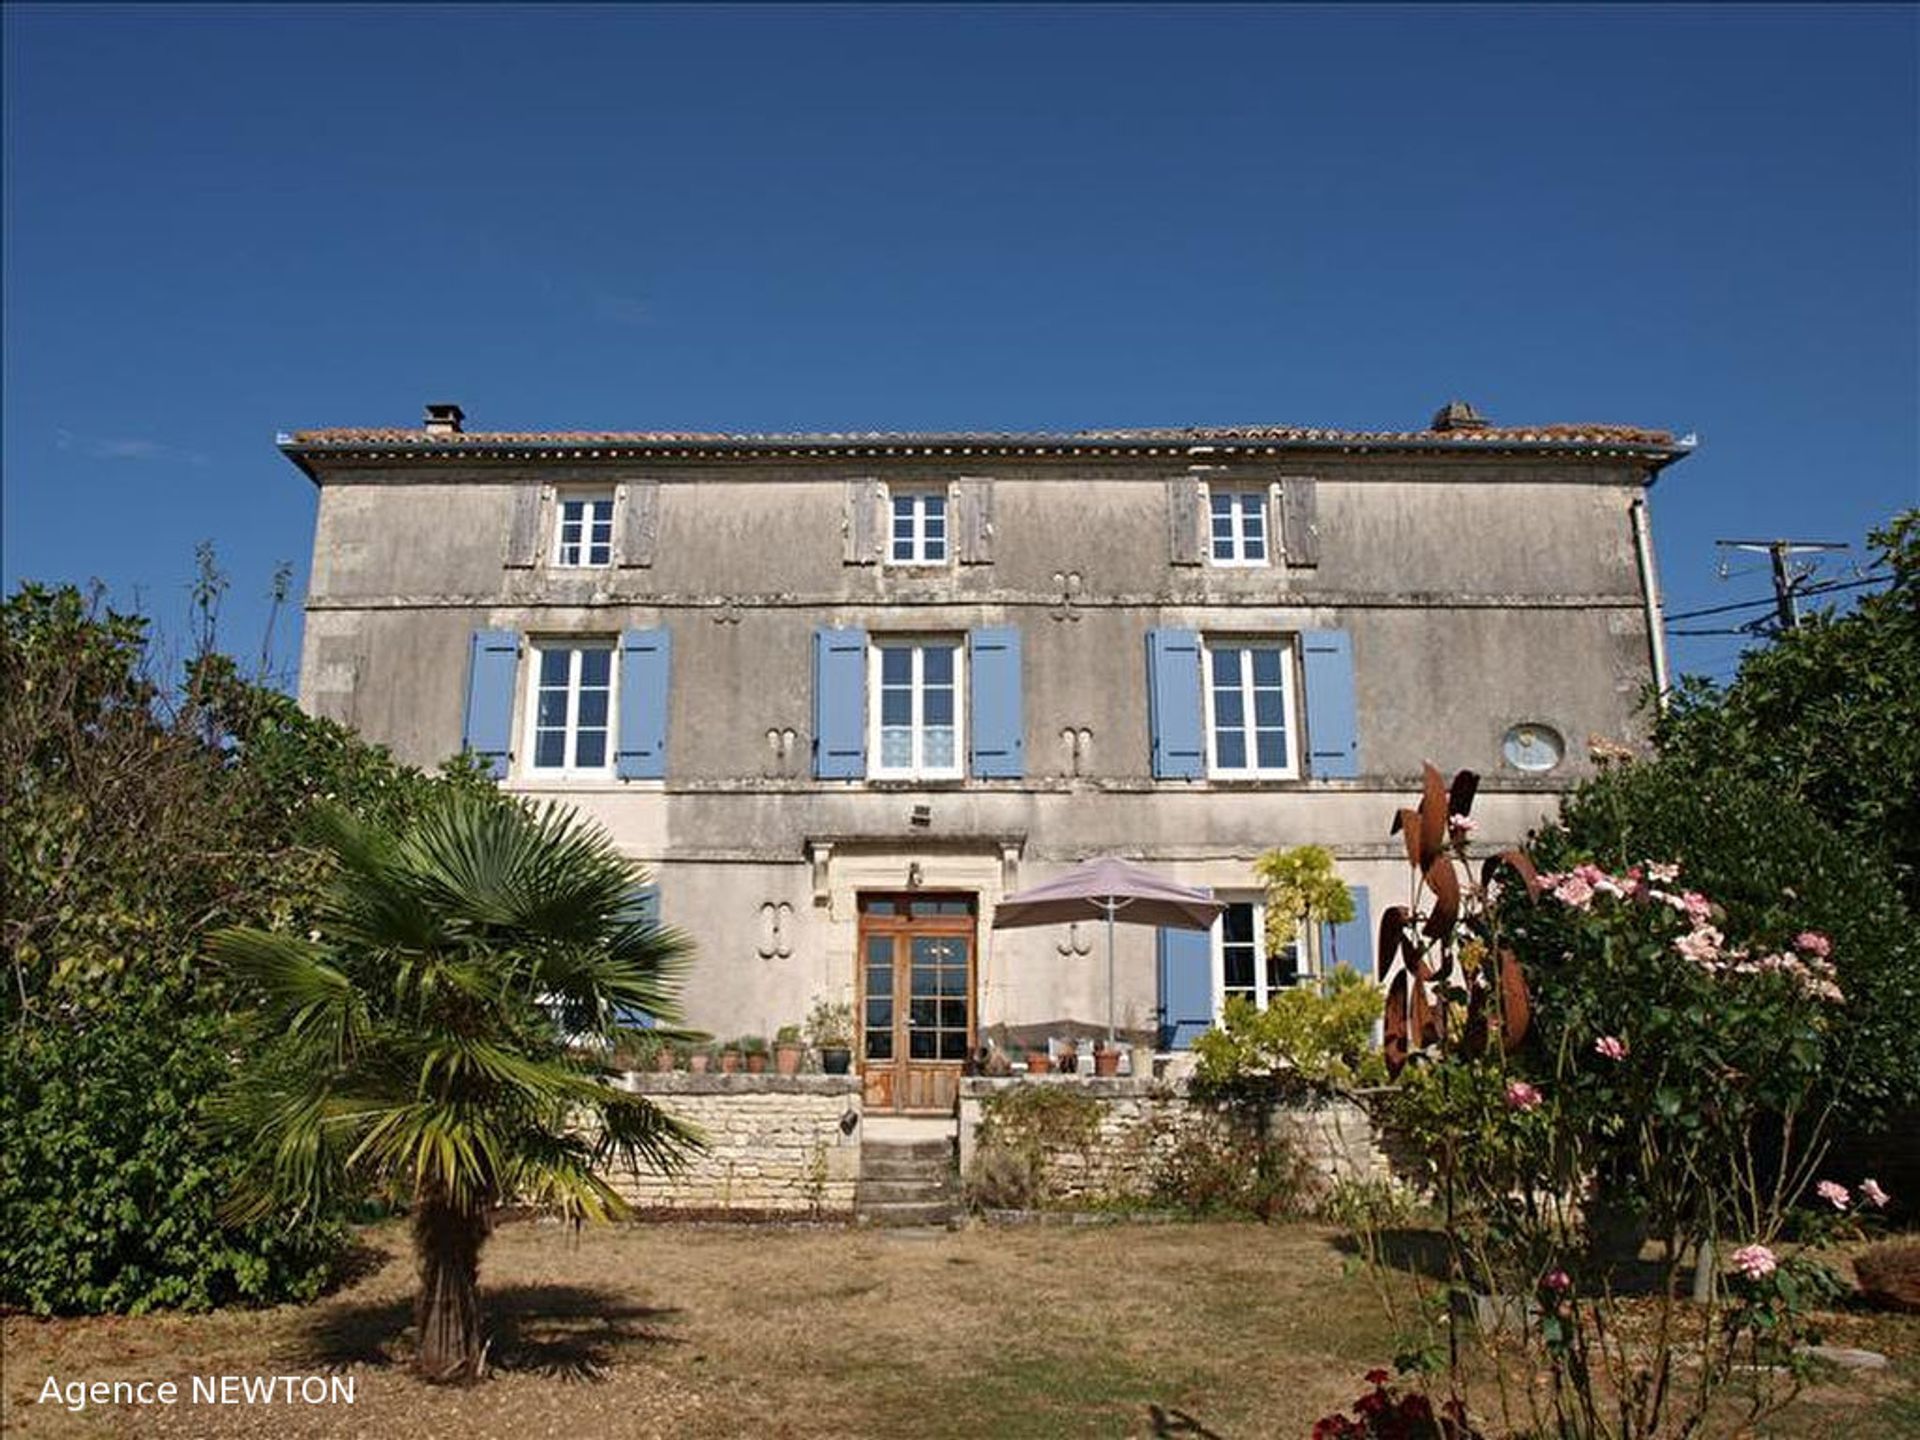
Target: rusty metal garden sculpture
1450	984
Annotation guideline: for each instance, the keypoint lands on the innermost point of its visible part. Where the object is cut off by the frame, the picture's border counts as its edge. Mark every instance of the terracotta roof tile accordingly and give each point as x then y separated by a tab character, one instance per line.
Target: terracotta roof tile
1491	436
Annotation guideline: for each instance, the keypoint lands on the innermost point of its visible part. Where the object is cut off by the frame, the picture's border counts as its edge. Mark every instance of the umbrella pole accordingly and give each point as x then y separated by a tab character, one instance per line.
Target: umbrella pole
1111	907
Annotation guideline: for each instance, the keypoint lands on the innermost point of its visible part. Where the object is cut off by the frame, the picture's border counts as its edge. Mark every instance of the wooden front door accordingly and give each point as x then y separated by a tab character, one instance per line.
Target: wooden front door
916	999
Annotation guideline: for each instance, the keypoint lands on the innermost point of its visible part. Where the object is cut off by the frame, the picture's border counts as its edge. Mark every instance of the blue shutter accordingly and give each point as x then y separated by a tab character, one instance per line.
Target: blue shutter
839	704
1333	731
999	721
645	660
1350	945
643	906
1173	704
487	729
1186	986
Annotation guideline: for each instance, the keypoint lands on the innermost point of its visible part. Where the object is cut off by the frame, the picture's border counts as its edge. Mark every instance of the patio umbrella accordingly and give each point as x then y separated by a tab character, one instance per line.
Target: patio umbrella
1109	889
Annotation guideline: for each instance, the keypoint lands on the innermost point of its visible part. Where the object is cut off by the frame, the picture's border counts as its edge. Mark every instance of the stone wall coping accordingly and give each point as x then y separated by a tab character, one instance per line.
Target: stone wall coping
680	1082
1112	1087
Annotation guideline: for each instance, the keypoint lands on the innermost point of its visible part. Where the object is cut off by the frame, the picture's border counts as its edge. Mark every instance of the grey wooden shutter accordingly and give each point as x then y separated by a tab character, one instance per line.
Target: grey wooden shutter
523	529
973	515
640	527
1299	520
1183	520
861	522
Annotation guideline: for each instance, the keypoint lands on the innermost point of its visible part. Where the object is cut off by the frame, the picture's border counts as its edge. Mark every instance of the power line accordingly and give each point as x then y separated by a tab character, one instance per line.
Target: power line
1807	592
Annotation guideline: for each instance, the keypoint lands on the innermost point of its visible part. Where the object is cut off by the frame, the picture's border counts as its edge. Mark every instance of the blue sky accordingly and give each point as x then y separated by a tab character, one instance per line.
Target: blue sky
224	222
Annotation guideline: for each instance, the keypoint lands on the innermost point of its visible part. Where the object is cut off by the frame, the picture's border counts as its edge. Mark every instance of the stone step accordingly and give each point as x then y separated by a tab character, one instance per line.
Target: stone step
871	1192
907	1149
907	1212
881	1168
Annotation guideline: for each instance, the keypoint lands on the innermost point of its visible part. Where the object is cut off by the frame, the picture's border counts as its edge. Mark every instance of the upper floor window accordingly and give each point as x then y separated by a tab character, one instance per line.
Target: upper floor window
1243	966
918	533
583	531
917	701
1249	709
1239	526
570	708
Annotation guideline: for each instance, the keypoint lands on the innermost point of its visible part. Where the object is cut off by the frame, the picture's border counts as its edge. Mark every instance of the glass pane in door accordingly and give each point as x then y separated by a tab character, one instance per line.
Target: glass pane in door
939	1000
879	1016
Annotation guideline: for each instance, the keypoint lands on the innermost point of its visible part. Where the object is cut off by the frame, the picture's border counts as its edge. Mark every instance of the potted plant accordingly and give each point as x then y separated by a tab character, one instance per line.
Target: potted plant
1106	1058
754	1049
699	1059
730	1058
787	1050
666	1058
1039	1062
1068	1056
830	1028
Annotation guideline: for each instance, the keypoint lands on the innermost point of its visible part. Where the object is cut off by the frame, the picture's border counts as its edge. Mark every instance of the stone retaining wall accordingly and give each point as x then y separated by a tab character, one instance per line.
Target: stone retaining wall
775	1144
1142	1122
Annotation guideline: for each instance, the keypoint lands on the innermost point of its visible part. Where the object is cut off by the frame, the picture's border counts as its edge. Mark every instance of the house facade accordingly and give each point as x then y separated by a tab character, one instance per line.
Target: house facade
842	693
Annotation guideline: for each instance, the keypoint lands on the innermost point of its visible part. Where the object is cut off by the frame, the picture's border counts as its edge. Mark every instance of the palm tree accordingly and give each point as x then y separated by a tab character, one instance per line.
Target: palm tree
443	1037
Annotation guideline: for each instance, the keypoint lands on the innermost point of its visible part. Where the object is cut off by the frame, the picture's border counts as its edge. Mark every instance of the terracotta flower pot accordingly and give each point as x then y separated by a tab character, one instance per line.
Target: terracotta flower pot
729	1062
1106	1062
786	1059
698	1062
757	1062
663	1063
1039	1063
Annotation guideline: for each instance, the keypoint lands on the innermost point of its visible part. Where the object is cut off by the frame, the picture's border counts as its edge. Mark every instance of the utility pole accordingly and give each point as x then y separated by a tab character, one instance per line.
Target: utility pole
1787	577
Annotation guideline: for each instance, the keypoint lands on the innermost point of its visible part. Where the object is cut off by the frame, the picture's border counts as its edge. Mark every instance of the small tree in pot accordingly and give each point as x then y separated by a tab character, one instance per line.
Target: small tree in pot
830	1028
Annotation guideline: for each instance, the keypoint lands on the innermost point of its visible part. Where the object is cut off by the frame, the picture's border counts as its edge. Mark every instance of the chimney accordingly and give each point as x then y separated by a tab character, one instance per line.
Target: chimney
444	419
1458	415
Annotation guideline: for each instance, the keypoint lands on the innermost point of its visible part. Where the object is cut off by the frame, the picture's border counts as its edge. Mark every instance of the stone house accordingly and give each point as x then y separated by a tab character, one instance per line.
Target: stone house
844	692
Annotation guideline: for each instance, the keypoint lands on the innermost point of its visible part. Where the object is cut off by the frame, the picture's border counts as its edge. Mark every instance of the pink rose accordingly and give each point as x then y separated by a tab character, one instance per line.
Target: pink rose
1664	874
1877	1197
1756	1262
1812	942
1574	891
1462	826
1834	1194
1610	1046
1522	1096
1557	1281
1699	909
1701	945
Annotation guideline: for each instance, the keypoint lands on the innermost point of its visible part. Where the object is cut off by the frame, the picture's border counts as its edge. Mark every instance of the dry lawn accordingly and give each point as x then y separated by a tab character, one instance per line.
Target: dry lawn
1113	1330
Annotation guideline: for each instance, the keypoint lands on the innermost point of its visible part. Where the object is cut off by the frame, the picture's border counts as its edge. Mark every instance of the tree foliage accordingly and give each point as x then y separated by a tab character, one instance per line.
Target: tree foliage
137	814
1828	715
445	1039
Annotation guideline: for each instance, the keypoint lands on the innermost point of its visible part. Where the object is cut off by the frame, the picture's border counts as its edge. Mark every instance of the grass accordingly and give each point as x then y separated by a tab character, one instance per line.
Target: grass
1231	1330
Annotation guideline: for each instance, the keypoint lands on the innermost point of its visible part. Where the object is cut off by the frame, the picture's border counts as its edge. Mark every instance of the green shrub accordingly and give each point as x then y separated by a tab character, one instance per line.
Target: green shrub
1226	1165
136	816
1310	1040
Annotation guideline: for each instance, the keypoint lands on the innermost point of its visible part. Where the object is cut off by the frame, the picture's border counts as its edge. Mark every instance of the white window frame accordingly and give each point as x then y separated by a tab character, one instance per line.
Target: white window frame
1239	559
917	769
1289	657
573	647
919	495
589	523
1217	947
